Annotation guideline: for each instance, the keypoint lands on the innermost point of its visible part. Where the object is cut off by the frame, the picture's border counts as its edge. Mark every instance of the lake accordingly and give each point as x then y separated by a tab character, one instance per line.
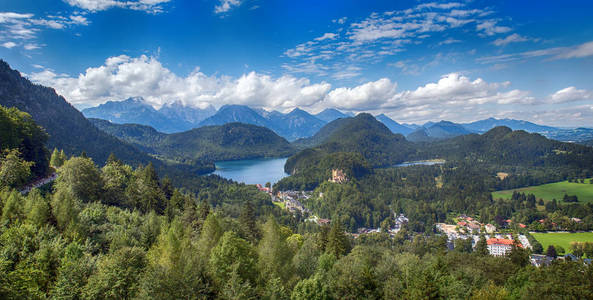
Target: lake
252	171
421	163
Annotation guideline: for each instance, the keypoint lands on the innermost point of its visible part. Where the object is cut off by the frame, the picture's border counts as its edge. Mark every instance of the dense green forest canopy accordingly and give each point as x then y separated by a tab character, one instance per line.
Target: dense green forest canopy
19	132
119	232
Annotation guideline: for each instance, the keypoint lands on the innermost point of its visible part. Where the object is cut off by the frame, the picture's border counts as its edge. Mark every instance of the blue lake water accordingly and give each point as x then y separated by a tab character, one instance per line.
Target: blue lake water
252	171
421	163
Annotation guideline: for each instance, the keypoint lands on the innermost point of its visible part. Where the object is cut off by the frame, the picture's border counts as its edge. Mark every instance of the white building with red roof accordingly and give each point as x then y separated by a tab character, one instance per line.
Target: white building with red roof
499	247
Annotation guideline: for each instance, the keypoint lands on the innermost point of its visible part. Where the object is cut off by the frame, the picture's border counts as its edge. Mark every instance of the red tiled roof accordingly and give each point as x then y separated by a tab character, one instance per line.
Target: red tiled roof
494	241
461	223
522	225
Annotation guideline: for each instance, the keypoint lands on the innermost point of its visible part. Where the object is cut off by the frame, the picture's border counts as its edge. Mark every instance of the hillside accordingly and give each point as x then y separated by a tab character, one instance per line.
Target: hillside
68	129
19	132
502	145
437	131
211	143
362	134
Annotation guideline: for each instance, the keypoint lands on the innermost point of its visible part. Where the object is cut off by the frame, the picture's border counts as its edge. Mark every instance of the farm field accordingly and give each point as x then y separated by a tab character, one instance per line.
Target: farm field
562	238
556	190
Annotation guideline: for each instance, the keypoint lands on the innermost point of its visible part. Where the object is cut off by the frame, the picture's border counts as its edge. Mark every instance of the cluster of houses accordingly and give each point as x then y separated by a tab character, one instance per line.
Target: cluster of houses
399	221
540	260
468	228
292	200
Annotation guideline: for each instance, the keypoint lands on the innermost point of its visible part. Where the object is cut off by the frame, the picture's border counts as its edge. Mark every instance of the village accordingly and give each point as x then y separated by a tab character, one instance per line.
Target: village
500	241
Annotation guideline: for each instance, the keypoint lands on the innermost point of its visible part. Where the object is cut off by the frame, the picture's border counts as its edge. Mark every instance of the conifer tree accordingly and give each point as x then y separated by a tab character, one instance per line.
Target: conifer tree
482	246
337	242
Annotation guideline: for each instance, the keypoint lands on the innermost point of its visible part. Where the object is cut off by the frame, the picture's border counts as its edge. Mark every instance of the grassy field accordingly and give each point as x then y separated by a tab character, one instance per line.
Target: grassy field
584	191
562	239
279	204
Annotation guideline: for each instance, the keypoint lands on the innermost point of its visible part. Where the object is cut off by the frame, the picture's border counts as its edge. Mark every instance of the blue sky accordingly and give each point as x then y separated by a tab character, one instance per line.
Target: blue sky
415	61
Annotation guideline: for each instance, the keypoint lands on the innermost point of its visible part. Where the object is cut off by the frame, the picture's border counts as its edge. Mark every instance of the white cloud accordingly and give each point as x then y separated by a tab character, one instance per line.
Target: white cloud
122	77
8	45
31	46
490	27
17	26
226	5
578	51
449	41
80	20
513	38
379	36
9	17
340	20
570	94
327	36
366	96
149	6
454	96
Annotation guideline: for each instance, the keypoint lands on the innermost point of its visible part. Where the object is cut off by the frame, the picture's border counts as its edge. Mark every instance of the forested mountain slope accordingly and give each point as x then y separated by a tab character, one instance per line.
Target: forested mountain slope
212	143
68	129
501	145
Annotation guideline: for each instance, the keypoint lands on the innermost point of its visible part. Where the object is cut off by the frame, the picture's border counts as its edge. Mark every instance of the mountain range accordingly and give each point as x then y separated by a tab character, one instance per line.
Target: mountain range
298	124
173	117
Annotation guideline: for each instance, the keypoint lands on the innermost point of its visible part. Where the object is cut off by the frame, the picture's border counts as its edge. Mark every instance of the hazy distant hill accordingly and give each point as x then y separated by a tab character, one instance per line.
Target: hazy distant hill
394	126
436	131
330	114
170	118
487	124
230	141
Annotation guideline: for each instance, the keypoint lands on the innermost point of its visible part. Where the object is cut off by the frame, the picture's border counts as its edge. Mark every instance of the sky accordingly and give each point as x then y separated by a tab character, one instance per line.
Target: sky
415	61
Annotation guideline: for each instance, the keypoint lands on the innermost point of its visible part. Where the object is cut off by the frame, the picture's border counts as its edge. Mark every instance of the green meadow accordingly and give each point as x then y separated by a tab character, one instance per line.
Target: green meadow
583	191
562	238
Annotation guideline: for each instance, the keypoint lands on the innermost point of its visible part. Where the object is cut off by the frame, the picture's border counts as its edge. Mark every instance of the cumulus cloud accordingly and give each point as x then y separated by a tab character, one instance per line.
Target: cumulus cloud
513	38
122	76
570	94
363	97
454	96
150	6
226	5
